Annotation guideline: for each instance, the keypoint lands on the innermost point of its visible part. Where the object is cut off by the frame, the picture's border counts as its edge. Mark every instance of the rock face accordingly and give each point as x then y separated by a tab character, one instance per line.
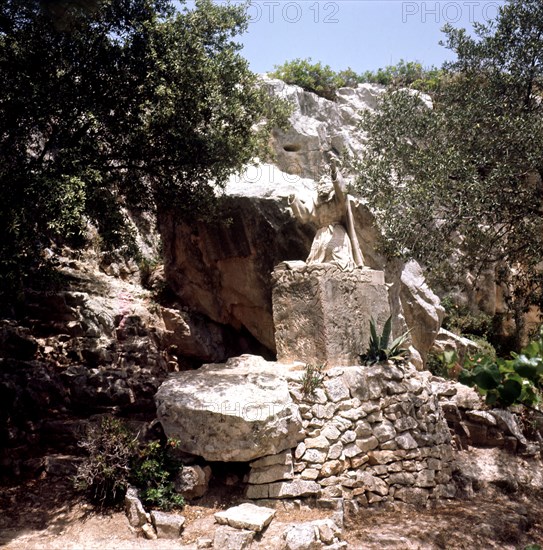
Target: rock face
223	271
76	352
322	314
422	310
320	127
234	412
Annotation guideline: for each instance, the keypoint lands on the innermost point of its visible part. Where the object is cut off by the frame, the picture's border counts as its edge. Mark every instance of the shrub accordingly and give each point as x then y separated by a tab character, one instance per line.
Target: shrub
443	364
505	382
313	77
312	378
116	459
153	471
324	81
462	321
405	74
105	474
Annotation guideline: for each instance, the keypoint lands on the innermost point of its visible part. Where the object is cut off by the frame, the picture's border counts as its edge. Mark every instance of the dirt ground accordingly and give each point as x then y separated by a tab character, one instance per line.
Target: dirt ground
40	516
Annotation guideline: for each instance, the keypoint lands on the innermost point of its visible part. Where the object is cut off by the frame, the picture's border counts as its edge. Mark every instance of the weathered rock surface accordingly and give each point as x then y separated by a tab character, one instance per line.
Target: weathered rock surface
322	314
135	512
304	536
193	481
193	335
421	307
167	525
246	516
448	341
229	538
223	271
239	411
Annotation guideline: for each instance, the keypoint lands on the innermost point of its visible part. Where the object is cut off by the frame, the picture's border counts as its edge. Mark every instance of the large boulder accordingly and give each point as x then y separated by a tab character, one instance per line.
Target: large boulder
422	309
233	412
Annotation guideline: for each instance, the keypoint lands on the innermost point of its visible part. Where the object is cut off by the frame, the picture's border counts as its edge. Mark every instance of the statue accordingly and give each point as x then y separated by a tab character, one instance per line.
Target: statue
331	211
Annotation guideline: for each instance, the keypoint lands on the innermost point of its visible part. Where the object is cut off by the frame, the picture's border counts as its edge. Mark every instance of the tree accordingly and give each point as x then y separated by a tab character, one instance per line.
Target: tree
108	104
458	186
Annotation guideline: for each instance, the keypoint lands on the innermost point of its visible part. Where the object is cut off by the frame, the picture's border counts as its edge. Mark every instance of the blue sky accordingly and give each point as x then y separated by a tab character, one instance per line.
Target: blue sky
361	34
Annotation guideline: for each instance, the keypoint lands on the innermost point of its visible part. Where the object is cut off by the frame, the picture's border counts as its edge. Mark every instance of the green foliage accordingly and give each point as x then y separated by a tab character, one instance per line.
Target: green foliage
115	104
105	473
443	364
314	77
484	346
115	459
154	468
312	378
379	348
463	321
405	74
324	81
458	186
505	382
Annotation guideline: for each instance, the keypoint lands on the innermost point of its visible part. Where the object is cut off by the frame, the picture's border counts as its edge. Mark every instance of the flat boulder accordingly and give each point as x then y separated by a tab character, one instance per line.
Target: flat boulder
232	412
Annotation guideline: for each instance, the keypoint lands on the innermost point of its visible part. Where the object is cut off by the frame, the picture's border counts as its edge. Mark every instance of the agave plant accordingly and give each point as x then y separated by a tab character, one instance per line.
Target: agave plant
379	348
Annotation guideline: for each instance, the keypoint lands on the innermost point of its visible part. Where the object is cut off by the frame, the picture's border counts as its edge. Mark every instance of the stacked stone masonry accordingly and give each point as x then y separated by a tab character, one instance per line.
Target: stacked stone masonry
371	434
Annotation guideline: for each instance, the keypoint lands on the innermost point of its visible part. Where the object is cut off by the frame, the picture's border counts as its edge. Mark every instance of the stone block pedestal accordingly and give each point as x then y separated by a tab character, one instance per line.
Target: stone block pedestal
322	313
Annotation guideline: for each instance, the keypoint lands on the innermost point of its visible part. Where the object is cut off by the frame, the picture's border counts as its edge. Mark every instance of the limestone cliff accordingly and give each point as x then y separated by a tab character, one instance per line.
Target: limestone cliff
223	270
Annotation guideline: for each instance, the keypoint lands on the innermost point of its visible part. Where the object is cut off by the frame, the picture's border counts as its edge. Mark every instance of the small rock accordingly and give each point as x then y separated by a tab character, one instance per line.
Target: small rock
302	537
367	444
482	417
300	450
193	481
333	467
293	489
228	538
315	455
406	441
348	437
384	431
271	473
328	530
246	516
149	531
319	442
168	526
281	458
336	389
310	473
330	432
137	517
335	451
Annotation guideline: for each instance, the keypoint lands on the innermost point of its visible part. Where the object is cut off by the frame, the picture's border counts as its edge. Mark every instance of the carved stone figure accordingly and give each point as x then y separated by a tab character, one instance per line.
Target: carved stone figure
330	209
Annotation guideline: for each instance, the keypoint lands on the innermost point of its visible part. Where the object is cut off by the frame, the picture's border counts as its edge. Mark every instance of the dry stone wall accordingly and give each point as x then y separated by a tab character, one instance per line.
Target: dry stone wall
371	434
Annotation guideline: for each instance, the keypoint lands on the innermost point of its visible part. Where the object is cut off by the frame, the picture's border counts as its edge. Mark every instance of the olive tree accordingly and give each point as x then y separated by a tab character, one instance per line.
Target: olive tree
457	183
107	104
